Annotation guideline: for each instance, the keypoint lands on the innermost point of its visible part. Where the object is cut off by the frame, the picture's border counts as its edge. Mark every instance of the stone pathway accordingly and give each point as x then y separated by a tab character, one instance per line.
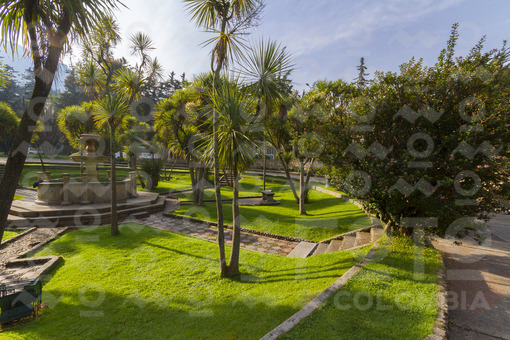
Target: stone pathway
25	243
478	279
27	193
203	231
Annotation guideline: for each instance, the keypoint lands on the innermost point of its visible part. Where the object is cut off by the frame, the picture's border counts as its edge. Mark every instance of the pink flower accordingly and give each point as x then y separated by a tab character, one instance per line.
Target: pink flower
442	197
479	167
486	166
507	125
383	131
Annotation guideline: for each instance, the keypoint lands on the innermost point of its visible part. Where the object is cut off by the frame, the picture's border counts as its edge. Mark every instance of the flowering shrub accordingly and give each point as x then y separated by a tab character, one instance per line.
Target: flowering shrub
427	142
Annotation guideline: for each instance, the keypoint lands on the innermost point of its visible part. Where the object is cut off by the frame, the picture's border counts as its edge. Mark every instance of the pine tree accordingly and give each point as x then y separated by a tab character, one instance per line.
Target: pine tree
361	80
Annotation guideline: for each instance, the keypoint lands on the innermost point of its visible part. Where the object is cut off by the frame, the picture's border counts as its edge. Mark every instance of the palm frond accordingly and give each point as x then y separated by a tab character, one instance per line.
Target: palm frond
110	111
266	71
50	19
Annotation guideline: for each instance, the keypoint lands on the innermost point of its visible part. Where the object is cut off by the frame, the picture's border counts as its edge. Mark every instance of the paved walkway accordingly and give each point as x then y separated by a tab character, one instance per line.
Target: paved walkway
479	284
203	231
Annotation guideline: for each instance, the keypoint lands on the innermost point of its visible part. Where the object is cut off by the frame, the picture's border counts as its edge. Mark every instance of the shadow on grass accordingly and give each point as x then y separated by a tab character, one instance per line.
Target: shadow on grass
95	312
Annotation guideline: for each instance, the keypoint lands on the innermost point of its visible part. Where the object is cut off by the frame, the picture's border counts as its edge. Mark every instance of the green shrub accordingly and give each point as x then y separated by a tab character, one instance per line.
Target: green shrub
151	170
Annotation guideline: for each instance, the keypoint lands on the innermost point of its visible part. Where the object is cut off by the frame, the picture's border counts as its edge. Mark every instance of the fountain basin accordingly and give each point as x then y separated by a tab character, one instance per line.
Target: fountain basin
67	192
90	190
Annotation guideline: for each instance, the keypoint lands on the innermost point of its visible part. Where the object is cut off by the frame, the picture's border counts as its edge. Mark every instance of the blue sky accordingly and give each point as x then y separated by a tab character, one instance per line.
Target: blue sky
328	37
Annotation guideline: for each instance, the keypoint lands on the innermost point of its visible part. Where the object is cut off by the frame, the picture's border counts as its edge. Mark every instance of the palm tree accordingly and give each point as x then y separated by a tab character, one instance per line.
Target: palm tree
228	21
43	29
266	70
181	123
111	112
237	137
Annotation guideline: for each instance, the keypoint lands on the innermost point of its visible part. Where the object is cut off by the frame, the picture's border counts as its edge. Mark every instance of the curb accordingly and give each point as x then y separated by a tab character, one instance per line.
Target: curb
291	322
351	233
246	230
441	322
42	244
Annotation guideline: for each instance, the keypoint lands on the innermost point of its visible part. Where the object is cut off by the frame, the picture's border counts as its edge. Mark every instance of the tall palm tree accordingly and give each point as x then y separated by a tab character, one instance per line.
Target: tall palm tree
237	137
43	29
111	112
228	20
266	70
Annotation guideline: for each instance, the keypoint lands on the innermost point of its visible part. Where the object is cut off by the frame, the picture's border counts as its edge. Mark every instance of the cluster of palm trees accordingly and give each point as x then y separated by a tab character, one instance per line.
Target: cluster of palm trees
241	98
217	121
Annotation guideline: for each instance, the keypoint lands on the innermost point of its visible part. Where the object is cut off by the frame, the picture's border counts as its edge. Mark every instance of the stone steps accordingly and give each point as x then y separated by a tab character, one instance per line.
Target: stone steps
303	249
86	215
352	240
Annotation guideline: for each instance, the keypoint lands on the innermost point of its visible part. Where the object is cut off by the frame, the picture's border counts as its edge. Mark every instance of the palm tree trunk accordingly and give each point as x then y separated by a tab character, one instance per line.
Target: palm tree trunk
40	158
289	179
201	185
307	180
19	147
114	219
217	184
264	165
193	181
302	187
171	169
233	267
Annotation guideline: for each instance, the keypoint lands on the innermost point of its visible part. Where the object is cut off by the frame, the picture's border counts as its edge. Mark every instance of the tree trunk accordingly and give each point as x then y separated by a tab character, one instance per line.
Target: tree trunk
289	179
172	169
114	219
264	165
165	159
18	151
40	158
201	185
233	267
307	180
216	164
302	187
193	181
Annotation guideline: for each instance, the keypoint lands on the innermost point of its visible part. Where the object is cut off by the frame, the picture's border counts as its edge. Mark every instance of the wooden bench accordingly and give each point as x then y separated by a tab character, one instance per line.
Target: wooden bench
19	300
268	195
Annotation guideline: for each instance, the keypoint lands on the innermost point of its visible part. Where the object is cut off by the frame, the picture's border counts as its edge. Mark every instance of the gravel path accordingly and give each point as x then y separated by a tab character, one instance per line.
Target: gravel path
12	250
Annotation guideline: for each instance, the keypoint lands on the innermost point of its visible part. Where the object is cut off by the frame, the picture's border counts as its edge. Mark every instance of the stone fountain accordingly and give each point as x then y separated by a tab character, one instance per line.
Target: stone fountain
90	158
90	188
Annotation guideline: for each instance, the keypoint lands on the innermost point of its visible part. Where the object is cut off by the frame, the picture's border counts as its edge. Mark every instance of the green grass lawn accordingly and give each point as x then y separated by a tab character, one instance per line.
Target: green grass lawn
11	233
180	181
152	284
383	301
327	216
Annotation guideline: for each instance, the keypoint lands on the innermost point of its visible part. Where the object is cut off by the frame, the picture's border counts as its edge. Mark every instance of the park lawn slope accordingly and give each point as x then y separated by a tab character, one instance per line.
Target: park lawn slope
383	301
149	283
328	216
